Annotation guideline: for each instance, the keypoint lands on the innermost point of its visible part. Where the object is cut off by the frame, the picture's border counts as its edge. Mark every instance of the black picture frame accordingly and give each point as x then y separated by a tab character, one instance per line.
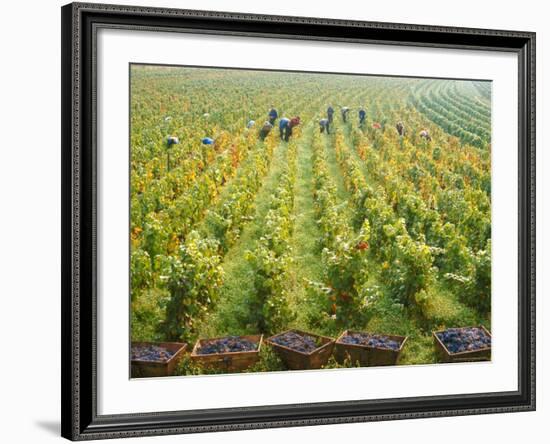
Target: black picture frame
80	22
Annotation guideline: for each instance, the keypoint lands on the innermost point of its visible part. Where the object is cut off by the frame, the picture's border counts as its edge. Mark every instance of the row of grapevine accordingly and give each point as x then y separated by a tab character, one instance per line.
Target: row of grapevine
207	195
452	179
420	216
225	221
437	115
469	120
467	106
342	292
194	276
271	258
450	250
164	215
406	229
407	263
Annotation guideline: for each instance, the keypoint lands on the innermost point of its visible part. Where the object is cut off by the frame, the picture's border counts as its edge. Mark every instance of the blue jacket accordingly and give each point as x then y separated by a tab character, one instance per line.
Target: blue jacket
207	141
273	113
362	113
283	123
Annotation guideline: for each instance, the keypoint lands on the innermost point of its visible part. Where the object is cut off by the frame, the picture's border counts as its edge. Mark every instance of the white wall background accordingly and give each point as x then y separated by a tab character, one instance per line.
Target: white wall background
30	220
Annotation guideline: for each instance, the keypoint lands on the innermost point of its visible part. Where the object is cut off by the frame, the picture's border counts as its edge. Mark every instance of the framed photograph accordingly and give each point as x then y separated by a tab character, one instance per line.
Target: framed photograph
278	221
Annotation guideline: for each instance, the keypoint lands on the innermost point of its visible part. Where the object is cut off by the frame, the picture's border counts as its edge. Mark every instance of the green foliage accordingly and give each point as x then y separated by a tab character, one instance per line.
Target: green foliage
140	271
269	306
475	286
344	254
147	315
271	259
345	265
187	367
332	363
411	272
469	128
227	220
398	228
193	280
269	361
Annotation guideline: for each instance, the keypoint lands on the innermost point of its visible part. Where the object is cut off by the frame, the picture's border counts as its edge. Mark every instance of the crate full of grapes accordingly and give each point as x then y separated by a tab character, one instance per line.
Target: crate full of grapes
368	349
154	359
229	353
464	344
300	350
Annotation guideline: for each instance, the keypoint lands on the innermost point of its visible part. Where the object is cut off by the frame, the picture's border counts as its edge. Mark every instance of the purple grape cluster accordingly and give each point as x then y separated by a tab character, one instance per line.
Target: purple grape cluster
464	339
370	340
150	353
296	341
228	344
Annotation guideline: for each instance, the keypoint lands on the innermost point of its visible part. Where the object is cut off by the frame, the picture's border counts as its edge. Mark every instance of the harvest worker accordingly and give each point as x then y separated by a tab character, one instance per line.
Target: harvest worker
266	128
295	121
250	124
400	128
172	140
330	113
283	123
286	125
362	116
207	141
272	115
345	111
324	124
425	135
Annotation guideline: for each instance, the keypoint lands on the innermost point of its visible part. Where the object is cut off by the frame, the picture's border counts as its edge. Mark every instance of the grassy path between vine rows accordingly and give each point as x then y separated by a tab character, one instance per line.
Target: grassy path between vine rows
231	314
304	242
334	170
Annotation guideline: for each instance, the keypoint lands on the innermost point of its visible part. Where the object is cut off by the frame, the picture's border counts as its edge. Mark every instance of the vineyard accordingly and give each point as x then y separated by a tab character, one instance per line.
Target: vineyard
358	229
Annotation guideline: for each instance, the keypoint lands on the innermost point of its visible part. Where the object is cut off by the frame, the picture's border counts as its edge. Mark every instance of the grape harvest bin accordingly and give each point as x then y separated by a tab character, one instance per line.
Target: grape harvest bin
296	360
365	355
150	369
466	356
229	361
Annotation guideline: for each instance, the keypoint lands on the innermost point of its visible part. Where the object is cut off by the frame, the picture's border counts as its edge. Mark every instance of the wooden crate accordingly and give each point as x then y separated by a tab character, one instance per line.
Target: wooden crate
467	356
150	369
230	361
365	355
296	360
